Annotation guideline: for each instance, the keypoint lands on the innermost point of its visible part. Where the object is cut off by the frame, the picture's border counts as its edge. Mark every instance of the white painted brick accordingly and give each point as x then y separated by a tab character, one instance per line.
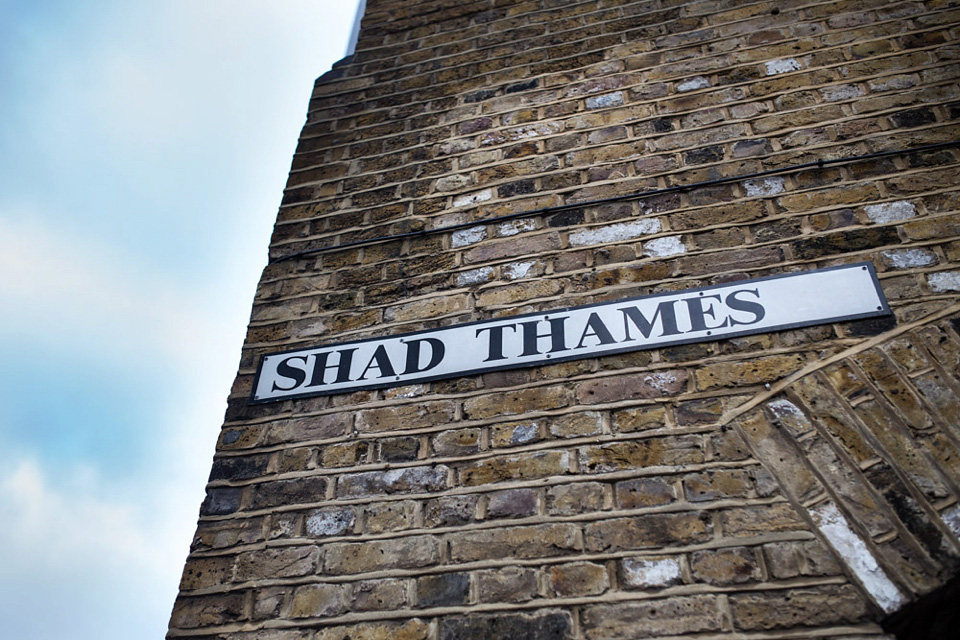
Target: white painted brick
890	211
857	556
789	414
662	382
787	65
951	518
764	187
944	281
452	183
841	92
614	99
330	522
650	572
524	433
693	84
535	130
513	227
473	198
456	146
517	270
465	237
910	258
475	276
615	232
892	83
663	247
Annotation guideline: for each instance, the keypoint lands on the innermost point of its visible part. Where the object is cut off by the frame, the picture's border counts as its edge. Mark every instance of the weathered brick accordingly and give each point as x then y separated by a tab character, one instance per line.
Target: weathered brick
190	613
767	369
200	573
579	579
514	402
513	503
456	442
283	562
228	533
374	555
648	531
719	484
549	625
448	511
221	501
378	595
239	468
634	386
643	492
511	584
316	600
574	498
542	541
636	454
287	492
389	516
344	454
752	521
650	572
428	308
331	521
414	629
408	480
828	605
522	466
725	566
661	617
442	590
575	425
642	418
408	416
305	429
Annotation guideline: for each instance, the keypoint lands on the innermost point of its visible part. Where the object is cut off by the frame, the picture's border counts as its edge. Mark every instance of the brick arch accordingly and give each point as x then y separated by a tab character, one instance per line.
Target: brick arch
865	445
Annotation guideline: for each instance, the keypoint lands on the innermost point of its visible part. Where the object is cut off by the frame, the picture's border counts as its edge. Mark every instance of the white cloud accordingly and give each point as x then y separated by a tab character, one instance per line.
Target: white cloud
77	565
56	291
52	528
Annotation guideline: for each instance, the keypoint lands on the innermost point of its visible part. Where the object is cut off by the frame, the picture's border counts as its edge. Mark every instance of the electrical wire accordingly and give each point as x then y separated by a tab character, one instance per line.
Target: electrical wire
819	164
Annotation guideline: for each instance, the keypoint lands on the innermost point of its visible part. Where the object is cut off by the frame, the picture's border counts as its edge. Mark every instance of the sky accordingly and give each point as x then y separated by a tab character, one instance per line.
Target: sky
143	151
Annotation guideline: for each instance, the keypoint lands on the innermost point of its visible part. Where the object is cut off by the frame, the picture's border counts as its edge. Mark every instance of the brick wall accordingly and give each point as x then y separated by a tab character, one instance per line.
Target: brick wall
799	483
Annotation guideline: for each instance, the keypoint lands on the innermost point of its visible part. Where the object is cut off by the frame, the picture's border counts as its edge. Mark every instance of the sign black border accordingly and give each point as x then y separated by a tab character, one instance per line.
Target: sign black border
883	310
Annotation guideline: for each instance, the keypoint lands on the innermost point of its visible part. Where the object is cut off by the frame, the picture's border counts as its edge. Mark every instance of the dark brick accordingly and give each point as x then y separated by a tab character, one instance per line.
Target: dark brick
702	411
443	590
842	242
515	503
522	86
704	155
544	626
566	218
221	501
472	126
914	117
399	449
886	481
478	96
239	468
662	125
516	188
870	326
285	492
